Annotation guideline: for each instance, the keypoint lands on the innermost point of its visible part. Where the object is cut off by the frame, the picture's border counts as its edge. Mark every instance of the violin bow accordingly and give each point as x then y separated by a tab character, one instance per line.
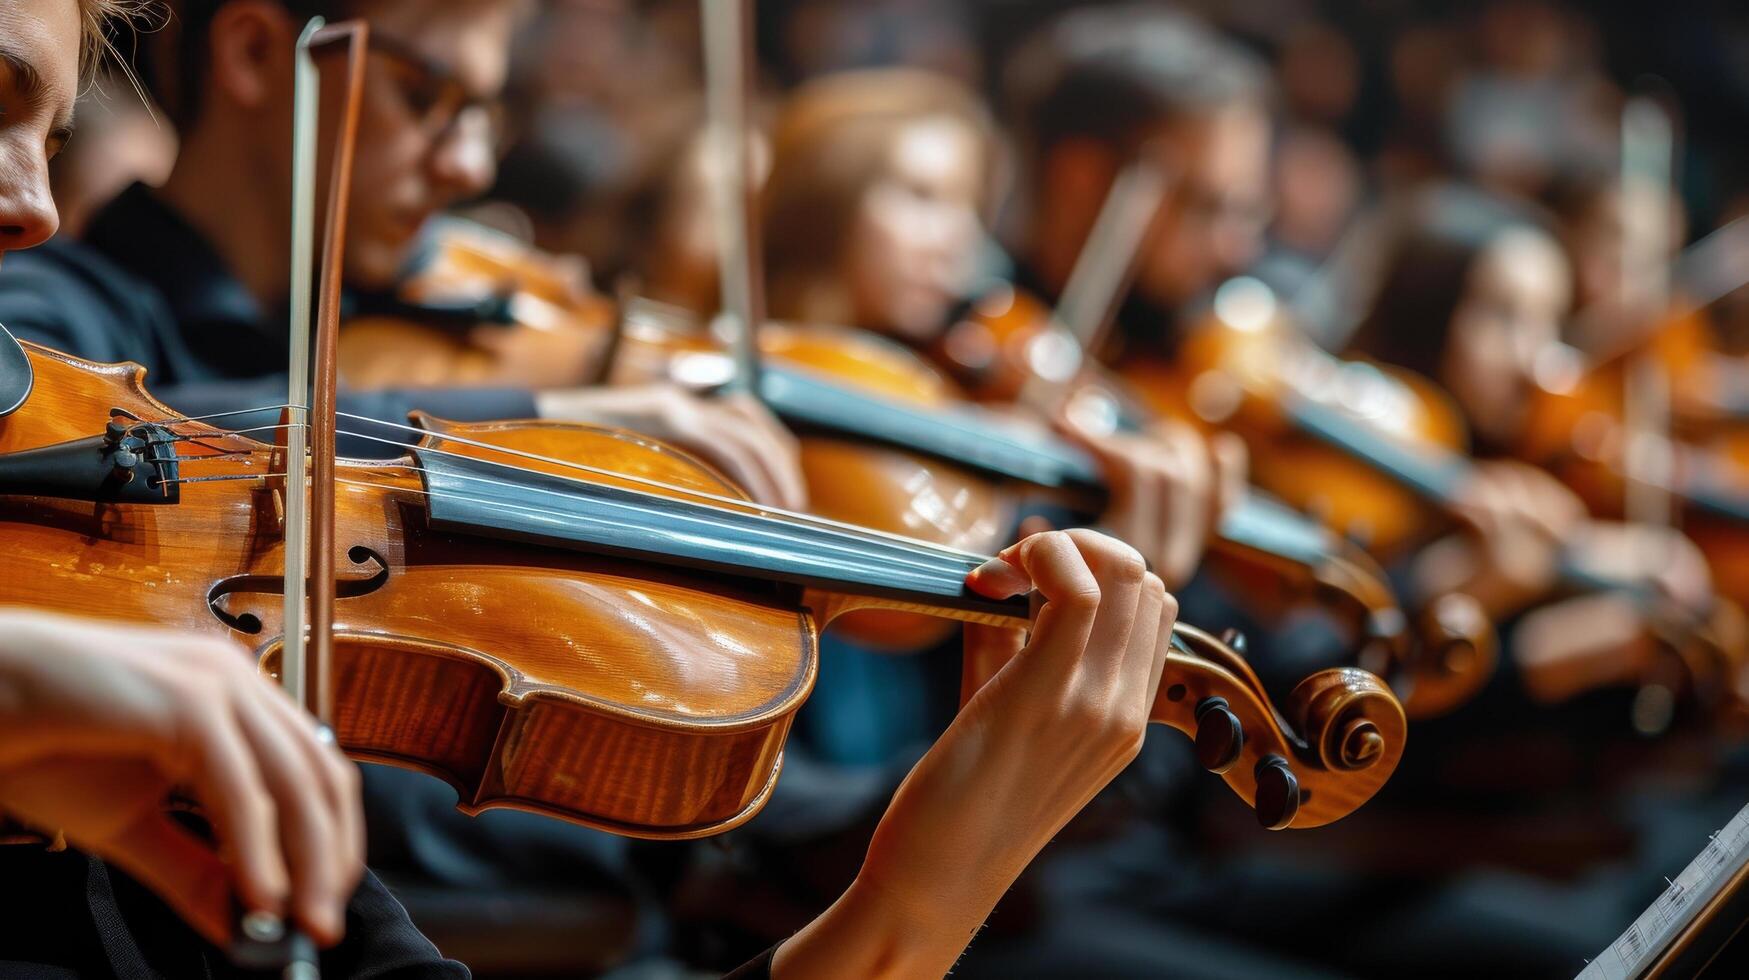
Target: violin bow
1648	149
728	62
308	422
313	379
1103	272
305	95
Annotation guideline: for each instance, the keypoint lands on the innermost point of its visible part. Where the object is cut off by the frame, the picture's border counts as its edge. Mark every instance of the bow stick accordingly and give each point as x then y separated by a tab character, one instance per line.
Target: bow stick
728	61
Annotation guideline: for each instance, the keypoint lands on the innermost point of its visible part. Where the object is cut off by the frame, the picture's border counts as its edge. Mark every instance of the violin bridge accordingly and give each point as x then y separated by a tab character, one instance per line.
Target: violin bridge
278	467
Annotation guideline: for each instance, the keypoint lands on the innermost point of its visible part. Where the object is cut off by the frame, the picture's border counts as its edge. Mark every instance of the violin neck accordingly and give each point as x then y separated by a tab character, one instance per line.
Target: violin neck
1263	524
476	497
1067	476
1435	475
965	436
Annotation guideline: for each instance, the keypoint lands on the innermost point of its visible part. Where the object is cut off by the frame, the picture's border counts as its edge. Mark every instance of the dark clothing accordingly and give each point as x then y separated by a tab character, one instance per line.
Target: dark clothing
758	968
69	915
146	287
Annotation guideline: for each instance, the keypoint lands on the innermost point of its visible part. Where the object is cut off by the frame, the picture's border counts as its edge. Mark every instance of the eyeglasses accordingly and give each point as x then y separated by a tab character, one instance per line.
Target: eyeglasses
433	94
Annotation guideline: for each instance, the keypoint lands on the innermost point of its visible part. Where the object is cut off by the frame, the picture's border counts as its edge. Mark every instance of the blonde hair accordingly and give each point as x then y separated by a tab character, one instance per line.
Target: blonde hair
95	18
833	139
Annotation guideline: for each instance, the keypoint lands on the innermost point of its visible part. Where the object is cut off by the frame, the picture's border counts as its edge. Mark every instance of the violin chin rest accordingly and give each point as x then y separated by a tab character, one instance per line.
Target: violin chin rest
16	376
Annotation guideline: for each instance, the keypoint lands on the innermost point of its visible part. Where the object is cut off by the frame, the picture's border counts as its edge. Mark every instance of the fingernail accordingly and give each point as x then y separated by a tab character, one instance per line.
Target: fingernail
325	918
997	577
990	567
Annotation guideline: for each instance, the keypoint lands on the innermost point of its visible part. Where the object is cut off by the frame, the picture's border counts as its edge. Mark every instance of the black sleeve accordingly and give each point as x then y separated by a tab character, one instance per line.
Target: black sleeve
757	968
204	398
383	944
64	297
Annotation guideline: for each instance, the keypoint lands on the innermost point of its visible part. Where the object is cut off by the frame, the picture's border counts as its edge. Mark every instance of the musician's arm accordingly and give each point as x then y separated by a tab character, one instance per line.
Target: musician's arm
1058	717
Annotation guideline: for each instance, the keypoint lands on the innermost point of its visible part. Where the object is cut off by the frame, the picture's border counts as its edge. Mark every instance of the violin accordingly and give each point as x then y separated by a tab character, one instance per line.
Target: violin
1585	429
1250	370
1647	425
1010	347
1371	450
478	308
621	644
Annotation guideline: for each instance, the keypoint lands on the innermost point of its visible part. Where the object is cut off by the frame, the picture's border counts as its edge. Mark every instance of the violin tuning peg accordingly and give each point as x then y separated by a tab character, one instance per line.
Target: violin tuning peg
1278	793
1235	640
1219	736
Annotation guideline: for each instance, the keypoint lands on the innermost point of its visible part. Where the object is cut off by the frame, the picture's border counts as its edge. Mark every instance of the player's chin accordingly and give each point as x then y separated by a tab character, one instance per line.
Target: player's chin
374	262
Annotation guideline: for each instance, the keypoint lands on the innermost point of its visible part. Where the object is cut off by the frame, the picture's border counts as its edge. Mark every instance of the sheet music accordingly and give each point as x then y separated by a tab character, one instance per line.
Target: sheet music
1639	947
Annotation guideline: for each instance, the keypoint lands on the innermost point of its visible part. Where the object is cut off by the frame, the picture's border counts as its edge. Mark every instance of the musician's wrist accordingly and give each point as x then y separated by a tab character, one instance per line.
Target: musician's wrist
875	930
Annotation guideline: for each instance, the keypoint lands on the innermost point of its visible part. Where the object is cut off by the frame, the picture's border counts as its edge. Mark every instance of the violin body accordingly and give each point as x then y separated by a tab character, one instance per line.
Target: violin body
513	316
1246	379
505	674
629	693
1006	345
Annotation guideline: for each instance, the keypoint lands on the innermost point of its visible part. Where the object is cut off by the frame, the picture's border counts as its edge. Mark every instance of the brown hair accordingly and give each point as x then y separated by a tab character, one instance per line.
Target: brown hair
832	141
1430	245
1113	73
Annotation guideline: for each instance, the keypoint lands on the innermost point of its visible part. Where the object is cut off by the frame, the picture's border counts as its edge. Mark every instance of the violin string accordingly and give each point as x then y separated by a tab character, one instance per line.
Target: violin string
225	415
748	508
795	517
925	555
736	502
509	506
218	478
543	513
196	437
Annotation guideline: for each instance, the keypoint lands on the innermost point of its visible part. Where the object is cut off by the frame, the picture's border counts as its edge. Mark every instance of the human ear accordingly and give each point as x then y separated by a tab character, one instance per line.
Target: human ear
250	53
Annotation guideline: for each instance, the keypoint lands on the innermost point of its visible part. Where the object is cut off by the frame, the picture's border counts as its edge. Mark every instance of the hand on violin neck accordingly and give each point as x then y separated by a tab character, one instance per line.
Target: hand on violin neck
1168	489
1519	518
537	358
98	723
1661	559
1064	711
734	433
1567	648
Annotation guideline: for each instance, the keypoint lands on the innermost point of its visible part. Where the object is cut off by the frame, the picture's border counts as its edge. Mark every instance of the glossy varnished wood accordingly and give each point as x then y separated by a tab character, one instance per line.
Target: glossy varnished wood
652	703
555	335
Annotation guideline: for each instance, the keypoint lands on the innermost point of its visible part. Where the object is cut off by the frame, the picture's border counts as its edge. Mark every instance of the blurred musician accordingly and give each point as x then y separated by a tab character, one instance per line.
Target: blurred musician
1094	91
190	279
1472	295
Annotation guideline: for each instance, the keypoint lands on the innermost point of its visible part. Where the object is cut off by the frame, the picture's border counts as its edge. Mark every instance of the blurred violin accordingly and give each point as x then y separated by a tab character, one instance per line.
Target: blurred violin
478	308
887	443
1374	452
1650	428
1011	348
1245	366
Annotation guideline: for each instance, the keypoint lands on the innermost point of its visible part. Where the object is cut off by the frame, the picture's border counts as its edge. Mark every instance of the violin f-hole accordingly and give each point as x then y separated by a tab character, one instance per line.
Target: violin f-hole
346	587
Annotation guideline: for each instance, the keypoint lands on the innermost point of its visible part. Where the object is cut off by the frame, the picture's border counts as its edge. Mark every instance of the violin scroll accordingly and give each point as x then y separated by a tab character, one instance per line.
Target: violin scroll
1341	740
1348	717
1455	654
